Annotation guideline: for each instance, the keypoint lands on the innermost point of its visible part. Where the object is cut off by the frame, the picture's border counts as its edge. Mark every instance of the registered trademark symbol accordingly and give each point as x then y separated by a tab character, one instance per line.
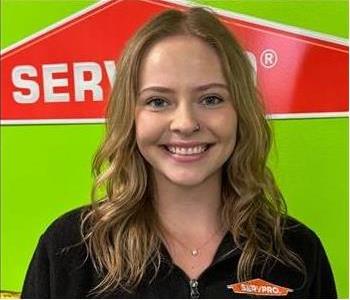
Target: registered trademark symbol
268	58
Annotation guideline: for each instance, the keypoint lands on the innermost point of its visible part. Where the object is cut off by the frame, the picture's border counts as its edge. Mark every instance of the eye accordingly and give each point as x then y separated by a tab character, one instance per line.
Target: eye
211	100
157	103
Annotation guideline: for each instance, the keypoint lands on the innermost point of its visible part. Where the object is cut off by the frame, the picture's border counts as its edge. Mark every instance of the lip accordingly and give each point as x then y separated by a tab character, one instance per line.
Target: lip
186	158
185	144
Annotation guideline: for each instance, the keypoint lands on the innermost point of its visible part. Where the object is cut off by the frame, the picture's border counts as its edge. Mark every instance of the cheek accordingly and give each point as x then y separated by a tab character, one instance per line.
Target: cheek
229	137
225	126
148	128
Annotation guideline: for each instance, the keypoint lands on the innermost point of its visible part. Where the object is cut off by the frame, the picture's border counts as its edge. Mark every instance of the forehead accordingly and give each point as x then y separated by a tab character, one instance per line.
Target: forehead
180	60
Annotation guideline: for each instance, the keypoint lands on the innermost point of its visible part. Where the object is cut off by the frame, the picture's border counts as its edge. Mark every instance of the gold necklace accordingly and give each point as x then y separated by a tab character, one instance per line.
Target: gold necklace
196	251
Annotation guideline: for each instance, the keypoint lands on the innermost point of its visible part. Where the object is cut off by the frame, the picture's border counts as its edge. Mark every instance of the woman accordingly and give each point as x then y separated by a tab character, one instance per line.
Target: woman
188	206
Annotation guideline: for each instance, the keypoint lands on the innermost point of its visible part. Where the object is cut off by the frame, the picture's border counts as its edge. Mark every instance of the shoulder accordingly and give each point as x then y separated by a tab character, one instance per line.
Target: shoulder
60	259
299	236
62	247
306	244
65	231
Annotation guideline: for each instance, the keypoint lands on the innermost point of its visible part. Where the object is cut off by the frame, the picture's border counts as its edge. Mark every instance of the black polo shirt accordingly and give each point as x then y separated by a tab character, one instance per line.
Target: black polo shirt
60	272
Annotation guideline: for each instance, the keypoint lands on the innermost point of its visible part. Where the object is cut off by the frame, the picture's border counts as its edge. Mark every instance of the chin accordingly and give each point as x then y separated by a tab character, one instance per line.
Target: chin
186	180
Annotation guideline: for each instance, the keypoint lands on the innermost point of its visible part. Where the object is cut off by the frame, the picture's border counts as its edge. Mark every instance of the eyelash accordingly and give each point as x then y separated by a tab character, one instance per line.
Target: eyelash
151	101
213	96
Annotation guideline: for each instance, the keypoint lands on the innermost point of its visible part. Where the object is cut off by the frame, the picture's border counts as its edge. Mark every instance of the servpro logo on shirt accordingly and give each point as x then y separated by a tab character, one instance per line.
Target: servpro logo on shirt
259	287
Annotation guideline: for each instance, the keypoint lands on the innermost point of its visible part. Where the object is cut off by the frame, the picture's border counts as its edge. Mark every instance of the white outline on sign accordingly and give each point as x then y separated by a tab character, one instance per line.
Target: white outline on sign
166	3
102	120
289	28
254	20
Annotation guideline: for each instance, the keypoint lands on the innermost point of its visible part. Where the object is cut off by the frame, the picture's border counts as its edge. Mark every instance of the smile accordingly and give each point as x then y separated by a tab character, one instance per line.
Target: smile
186	153
187	150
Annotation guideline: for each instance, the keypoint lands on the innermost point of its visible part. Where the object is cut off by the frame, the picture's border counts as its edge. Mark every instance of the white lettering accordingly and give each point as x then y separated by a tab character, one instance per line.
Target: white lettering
50	83
111	71
21	83
81	84
259	289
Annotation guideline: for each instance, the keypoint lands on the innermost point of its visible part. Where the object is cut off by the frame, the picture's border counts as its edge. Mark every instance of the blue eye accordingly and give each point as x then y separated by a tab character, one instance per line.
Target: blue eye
157	103
211	101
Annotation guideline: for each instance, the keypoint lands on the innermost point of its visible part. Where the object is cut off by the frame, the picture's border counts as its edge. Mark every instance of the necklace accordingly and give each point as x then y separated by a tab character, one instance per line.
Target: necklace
196	251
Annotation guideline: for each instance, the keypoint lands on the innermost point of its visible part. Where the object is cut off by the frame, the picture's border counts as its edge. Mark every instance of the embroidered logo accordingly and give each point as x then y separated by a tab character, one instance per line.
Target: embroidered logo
259	287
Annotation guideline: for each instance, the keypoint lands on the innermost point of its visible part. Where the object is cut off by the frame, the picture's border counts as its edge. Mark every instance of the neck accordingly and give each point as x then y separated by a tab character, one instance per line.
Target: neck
189	211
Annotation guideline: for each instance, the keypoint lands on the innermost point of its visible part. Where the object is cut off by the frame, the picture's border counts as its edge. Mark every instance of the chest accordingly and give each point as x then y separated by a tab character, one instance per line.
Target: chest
214	282
193	261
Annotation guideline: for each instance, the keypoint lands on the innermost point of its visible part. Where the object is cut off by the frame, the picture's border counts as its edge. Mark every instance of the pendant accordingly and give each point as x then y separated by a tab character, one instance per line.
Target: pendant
194	252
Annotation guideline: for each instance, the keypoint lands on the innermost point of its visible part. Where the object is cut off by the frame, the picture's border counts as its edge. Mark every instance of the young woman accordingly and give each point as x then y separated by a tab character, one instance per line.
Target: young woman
190	208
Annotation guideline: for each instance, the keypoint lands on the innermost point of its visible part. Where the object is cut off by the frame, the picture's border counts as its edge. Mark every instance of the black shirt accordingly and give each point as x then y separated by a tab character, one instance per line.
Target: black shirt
60	272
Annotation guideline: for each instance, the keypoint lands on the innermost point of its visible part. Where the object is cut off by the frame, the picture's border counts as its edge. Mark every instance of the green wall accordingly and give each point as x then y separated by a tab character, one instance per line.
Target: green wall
45	169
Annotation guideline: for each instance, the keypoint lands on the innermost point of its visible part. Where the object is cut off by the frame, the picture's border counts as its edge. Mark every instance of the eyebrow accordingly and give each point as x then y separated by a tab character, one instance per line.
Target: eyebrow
198	88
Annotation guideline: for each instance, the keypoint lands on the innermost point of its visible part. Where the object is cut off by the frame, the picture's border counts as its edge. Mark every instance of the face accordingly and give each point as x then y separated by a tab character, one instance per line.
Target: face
185	121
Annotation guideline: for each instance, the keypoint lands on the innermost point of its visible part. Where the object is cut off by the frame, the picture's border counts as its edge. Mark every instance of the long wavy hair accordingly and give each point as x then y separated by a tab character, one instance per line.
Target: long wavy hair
121	229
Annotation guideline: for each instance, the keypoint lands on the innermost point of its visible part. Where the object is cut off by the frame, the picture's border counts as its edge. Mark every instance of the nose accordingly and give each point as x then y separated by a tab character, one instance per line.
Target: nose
184	120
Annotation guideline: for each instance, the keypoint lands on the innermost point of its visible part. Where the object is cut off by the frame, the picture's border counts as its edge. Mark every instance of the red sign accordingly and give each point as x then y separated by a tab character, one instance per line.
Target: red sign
66	73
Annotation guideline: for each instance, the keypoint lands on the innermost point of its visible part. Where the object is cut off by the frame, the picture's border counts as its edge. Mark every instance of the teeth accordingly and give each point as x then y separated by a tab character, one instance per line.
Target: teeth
187	151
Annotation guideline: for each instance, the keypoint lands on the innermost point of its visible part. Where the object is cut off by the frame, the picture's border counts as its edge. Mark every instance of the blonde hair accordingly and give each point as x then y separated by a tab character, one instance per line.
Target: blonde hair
121	229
